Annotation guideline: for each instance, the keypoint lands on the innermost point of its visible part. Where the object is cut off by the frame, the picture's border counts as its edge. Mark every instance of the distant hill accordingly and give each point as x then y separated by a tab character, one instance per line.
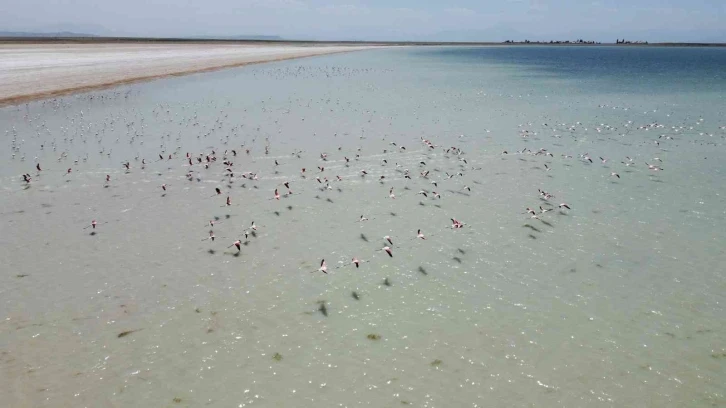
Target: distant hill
44	35
71	34
239	37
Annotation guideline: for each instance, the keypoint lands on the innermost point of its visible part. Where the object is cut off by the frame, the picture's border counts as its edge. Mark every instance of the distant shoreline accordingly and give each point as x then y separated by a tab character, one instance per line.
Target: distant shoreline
36	68
152	40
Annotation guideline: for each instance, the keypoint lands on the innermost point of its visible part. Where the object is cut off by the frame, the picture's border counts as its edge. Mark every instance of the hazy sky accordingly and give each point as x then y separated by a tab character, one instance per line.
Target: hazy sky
457	20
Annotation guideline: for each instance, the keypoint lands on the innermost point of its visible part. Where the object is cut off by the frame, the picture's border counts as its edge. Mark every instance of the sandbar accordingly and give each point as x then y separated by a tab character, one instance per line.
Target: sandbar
36	71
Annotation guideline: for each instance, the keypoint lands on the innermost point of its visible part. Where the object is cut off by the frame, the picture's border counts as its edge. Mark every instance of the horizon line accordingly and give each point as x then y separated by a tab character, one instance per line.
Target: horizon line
91	38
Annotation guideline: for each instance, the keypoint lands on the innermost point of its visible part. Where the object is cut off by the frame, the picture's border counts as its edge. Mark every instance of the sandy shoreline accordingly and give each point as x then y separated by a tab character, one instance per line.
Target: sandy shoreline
36	71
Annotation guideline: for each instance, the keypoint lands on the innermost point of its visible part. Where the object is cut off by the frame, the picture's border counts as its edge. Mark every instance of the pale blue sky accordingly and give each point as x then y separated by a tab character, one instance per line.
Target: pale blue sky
457	20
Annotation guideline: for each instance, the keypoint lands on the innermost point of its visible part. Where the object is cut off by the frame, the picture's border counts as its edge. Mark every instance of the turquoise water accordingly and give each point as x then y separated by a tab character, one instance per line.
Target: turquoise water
618	301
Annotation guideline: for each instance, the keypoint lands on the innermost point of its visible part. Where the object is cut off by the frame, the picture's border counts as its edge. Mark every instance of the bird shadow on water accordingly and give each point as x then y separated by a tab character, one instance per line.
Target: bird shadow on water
323	308
211	251
92	233
532	227
457	259
422	270
363	237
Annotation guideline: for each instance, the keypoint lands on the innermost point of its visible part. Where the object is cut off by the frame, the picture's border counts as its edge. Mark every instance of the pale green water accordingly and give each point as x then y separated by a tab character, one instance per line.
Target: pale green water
616	302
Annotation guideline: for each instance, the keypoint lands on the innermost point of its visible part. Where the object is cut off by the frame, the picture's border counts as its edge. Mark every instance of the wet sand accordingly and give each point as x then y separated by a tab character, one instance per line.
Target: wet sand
42	70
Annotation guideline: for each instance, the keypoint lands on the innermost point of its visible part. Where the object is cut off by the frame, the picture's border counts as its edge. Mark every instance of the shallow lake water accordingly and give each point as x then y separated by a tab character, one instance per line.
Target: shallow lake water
616	301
